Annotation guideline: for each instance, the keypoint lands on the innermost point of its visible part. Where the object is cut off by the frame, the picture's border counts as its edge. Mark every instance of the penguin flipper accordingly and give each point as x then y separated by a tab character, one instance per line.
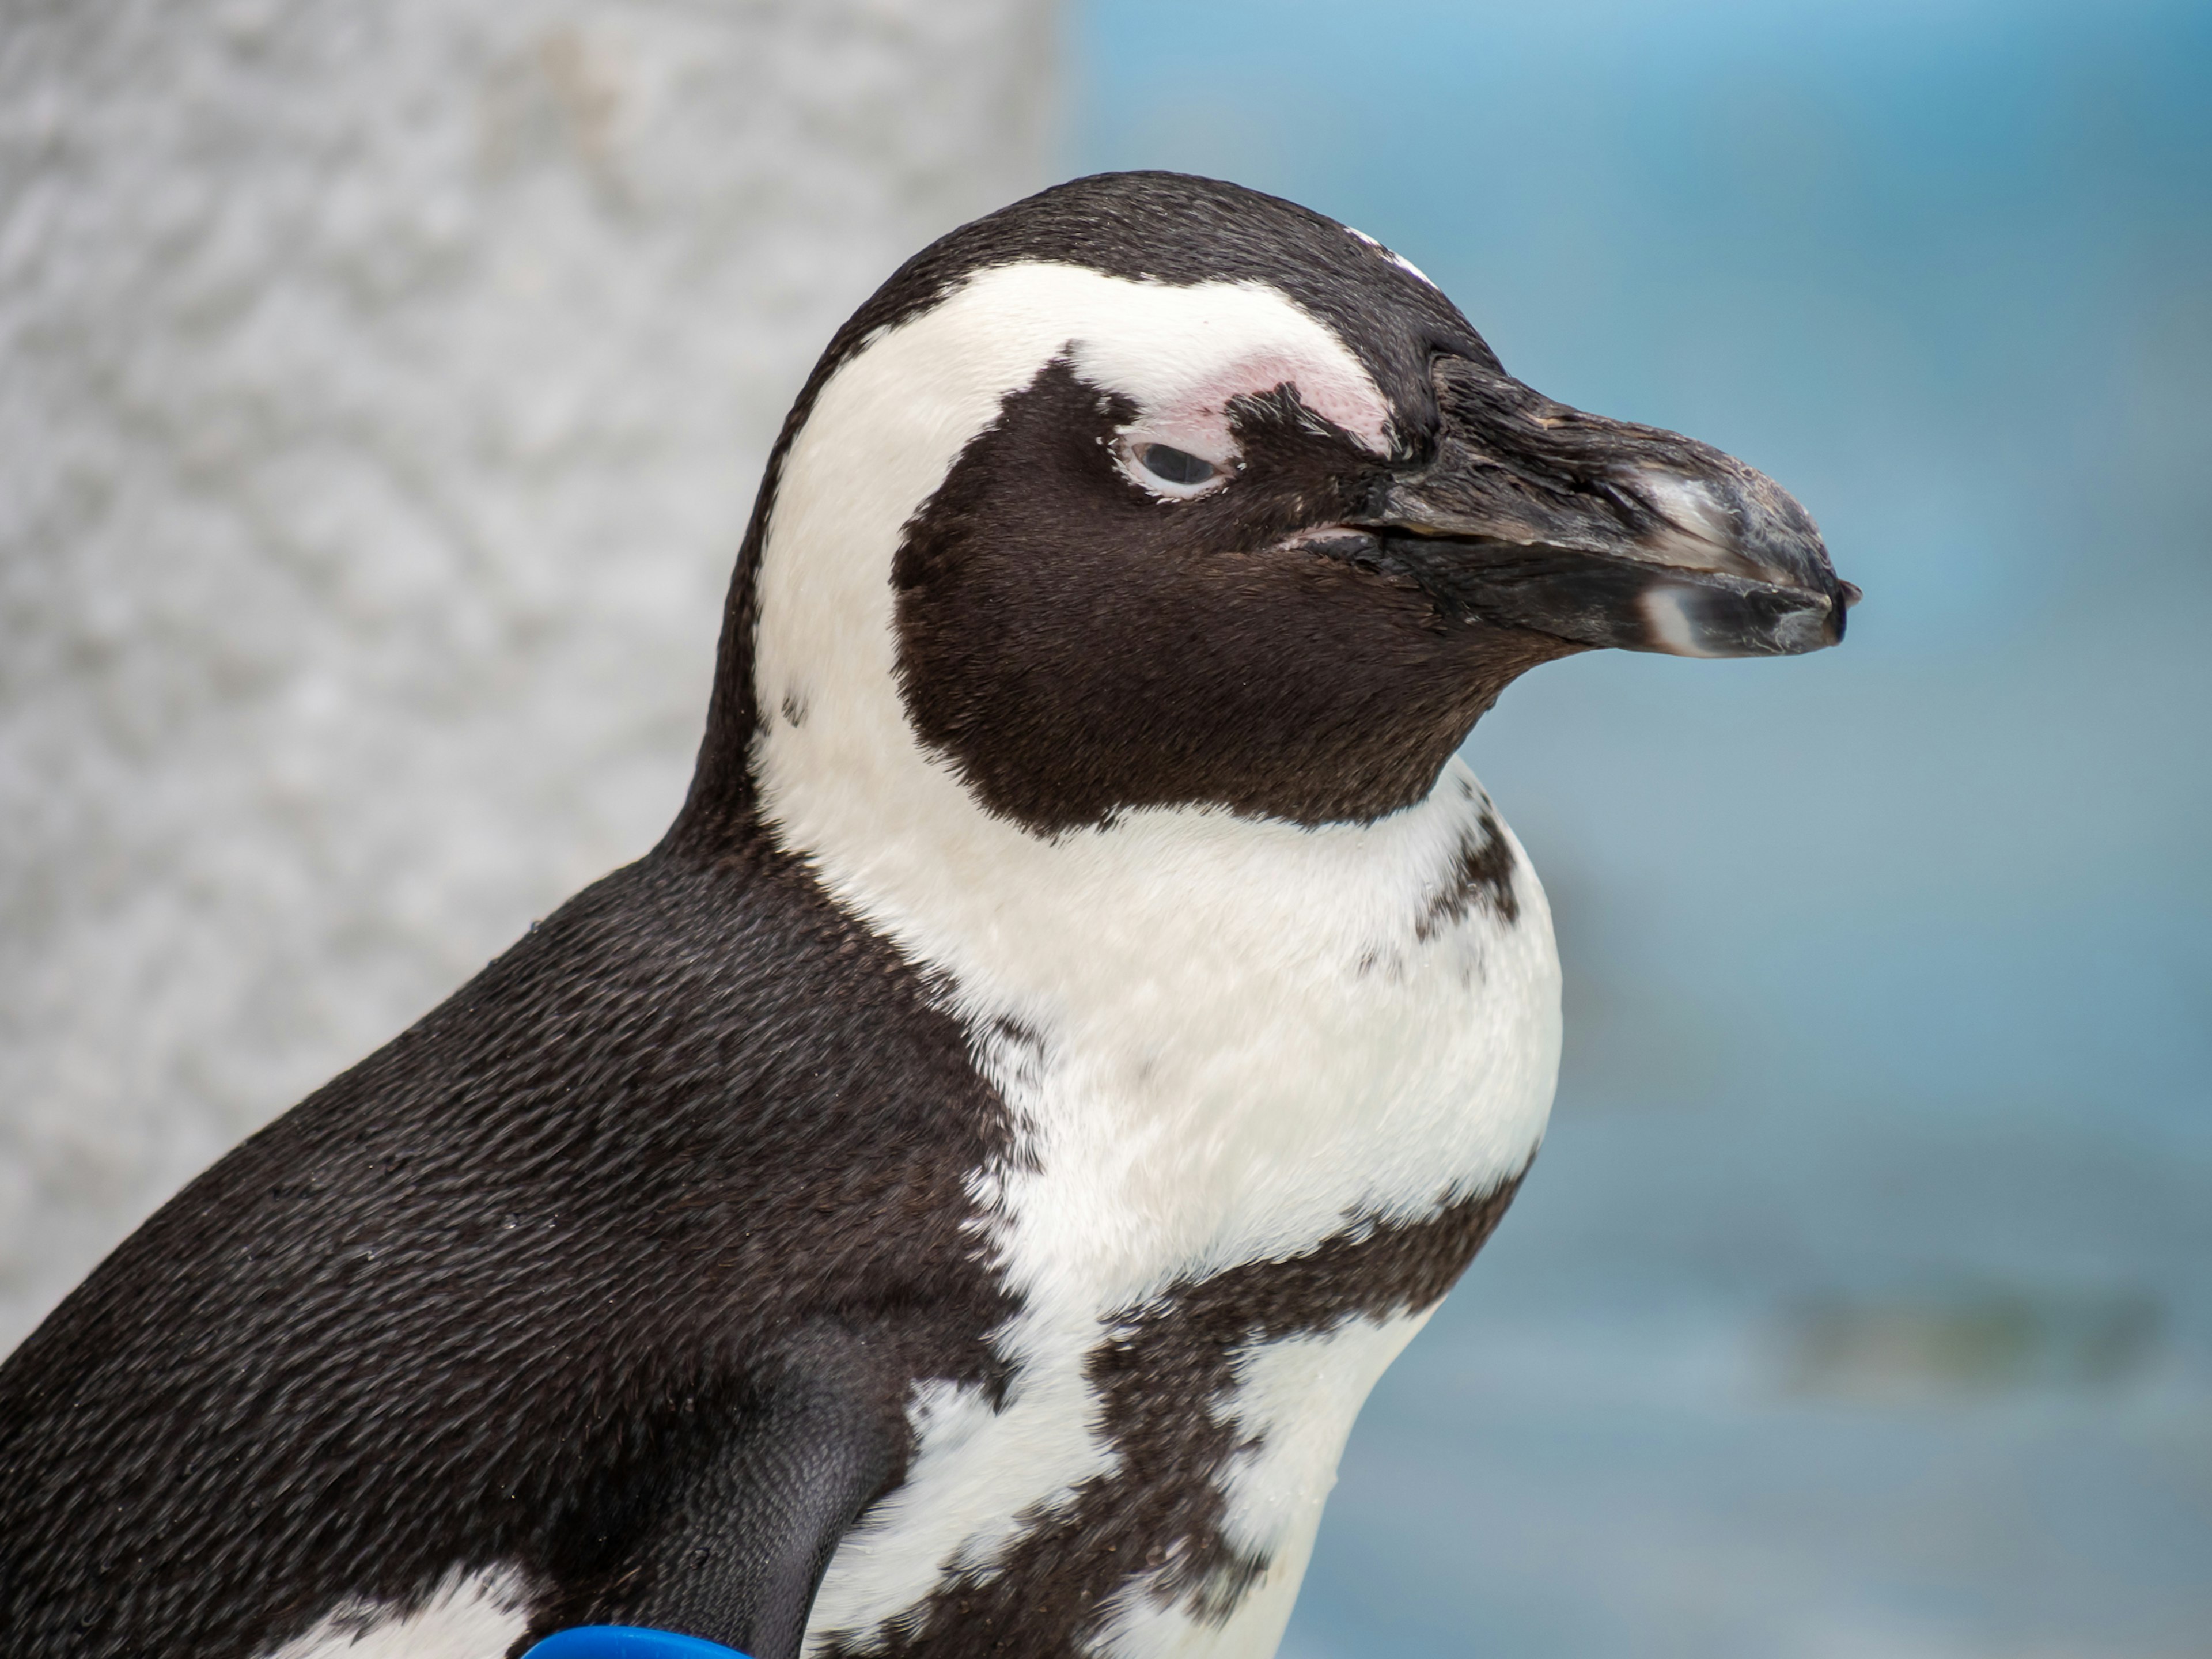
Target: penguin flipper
741	1549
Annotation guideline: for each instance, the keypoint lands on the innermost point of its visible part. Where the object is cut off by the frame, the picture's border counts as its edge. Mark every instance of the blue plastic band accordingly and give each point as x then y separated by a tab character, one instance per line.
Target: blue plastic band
627	1642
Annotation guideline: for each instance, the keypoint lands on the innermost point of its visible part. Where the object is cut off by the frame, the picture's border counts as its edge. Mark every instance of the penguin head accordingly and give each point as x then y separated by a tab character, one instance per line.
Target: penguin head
1153	491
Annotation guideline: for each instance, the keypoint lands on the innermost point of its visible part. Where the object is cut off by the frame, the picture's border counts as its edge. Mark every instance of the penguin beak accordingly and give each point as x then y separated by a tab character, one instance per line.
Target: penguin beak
1600	532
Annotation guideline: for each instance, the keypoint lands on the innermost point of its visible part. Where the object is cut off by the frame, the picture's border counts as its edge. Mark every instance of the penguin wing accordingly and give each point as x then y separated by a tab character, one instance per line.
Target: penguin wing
613	1275
742	1542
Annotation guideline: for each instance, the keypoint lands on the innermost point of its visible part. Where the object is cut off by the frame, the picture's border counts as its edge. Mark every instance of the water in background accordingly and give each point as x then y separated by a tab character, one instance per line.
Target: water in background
1861	1305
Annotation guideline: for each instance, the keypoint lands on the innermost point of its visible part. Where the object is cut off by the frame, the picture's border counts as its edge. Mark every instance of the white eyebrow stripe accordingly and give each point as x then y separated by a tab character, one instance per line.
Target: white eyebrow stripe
1164	346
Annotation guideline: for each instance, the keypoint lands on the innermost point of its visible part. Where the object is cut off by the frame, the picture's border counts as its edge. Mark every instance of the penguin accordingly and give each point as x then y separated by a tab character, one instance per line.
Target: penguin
952	1196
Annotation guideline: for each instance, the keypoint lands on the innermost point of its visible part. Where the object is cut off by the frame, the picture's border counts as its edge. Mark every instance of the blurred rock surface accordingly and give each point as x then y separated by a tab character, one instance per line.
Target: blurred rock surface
383	389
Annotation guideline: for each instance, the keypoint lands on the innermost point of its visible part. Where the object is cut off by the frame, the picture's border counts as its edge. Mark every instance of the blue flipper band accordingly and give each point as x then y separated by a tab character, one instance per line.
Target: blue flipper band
627	1642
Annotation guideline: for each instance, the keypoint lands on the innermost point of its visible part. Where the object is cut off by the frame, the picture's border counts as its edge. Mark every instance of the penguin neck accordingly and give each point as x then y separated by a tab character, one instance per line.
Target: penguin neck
895	836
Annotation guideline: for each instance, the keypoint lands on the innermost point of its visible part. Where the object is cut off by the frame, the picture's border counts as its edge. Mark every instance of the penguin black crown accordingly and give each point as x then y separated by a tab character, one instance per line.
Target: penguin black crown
953	1196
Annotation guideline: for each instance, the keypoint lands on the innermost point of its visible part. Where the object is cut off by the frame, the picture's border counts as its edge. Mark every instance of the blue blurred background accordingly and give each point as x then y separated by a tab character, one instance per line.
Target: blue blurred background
1861	1304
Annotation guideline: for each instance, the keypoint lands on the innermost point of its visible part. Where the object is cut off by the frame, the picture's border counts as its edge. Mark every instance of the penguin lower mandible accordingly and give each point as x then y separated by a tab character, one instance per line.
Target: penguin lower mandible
952	1196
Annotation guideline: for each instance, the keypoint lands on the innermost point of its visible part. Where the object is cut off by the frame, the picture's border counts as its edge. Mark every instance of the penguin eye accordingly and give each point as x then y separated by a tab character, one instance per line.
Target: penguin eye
1174	466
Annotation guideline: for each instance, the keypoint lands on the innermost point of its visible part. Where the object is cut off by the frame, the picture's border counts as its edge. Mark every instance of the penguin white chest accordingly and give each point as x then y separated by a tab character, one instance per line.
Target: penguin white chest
1267	1082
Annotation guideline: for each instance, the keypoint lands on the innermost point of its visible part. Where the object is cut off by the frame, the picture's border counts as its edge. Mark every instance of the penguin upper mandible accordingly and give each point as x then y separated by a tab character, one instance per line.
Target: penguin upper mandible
952	1196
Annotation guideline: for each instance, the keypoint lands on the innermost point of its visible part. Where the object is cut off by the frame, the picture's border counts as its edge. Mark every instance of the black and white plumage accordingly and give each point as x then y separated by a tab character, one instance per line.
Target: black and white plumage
952	1196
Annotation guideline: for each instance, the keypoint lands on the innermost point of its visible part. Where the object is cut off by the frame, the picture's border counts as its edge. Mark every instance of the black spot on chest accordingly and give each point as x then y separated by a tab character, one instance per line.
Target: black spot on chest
1164	1376
1479	877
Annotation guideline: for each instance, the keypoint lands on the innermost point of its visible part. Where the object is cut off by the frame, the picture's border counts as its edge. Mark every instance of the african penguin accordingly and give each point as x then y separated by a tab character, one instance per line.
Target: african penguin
953	1196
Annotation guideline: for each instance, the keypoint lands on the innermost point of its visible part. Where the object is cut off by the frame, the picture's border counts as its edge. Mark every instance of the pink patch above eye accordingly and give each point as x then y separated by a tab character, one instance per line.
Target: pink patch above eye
1198	421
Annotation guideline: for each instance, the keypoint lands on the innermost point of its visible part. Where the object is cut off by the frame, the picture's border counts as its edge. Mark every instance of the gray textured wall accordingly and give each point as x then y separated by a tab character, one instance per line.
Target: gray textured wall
383	388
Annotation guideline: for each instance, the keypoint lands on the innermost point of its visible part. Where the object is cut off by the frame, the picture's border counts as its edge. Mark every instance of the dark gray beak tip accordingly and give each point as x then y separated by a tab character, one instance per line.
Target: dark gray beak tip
1752	579
1701	614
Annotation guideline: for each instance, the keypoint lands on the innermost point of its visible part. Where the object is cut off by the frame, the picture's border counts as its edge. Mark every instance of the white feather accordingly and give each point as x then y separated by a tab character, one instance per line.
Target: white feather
470	1616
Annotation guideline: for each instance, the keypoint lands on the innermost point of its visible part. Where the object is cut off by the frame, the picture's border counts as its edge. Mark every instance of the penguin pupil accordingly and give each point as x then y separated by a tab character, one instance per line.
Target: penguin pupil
1175	465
